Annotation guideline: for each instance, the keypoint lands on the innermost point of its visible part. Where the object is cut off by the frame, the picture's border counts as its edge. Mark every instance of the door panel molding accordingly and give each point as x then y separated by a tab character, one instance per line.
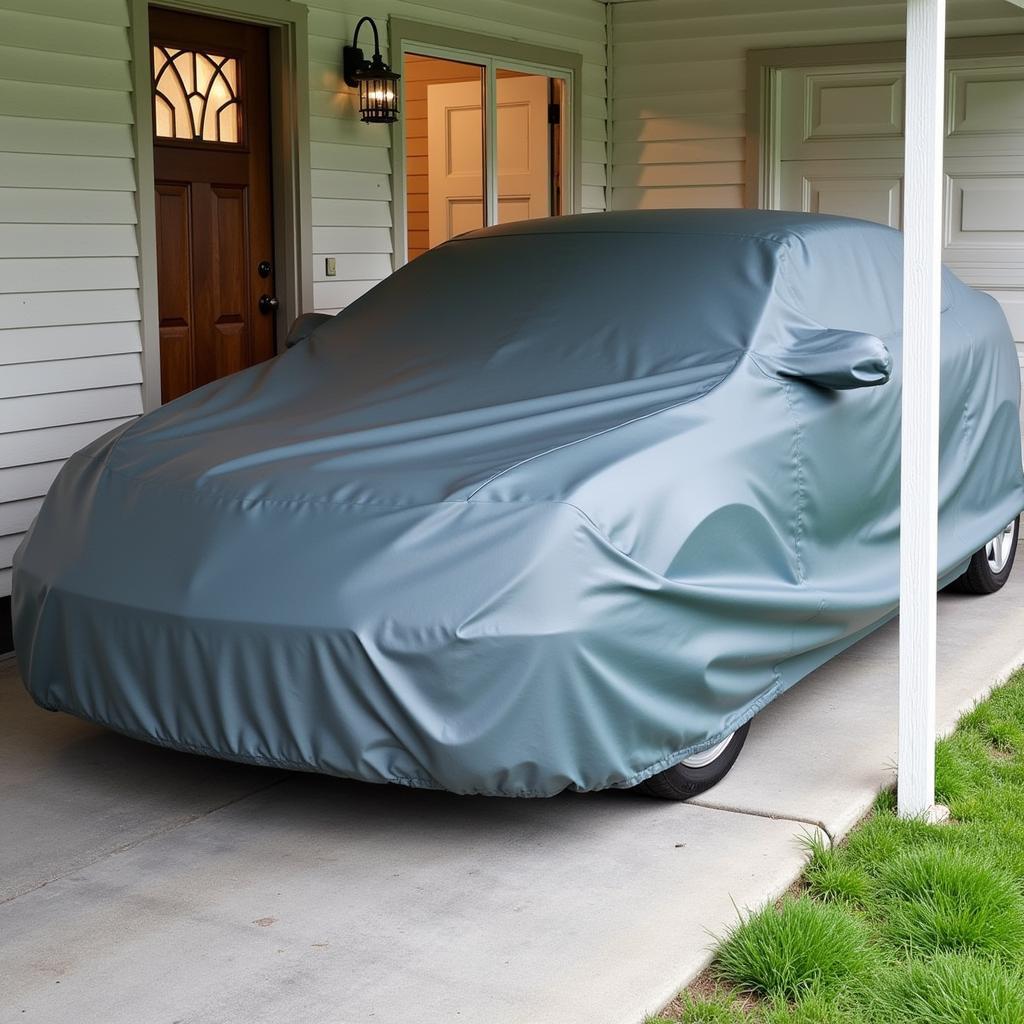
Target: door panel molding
175	321
290	162
853	105
973	88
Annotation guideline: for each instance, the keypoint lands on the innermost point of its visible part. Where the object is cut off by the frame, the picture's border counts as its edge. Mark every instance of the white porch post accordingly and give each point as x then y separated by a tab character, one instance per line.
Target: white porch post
922	228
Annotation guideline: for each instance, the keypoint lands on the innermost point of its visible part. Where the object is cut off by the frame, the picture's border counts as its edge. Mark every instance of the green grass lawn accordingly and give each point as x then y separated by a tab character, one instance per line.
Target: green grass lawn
904	923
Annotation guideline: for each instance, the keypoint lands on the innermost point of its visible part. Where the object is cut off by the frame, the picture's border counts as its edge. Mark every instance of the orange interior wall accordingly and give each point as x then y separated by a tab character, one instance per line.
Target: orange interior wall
419	72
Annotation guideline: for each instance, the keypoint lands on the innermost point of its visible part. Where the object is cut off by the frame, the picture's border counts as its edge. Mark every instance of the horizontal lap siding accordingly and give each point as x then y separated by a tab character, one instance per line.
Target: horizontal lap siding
679	80
69	313
353	177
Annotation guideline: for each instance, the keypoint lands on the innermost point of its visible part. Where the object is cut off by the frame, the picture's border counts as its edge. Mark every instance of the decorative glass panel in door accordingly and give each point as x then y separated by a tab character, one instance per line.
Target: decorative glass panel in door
196	95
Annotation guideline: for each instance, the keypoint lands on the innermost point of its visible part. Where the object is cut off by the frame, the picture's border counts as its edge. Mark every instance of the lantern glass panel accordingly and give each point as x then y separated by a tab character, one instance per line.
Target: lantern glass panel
378	97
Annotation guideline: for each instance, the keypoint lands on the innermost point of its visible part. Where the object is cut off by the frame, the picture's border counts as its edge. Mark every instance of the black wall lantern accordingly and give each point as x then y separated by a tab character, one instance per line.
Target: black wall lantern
377	83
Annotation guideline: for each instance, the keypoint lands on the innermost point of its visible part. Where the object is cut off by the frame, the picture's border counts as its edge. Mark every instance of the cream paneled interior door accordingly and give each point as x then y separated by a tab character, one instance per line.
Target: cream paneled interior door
455	154
840	150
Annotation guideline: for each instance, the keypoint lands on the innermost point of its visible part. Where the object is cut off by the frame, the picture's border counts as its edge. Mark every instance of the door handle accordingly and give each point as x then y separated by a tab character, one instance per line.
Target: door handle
269	304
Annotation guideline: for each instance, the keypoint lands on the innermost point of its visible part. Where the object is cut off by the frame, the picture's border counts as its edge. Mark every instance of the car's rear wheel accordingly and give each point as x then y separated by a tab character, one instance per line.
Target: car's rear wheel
697	773
990	566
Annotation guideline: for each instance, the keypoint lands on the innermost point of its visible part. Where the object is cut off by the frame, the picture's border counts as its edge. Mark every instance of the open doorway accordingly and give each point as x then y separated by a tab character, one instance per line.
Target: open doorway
460	174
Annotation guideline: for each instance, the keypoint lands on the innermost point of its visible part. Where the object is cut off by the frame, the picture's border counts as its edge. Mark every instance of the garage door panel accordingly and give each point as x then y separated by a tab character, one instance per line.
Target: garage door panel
986	99
984	210
850	105
976	267
867	198
991	205
830	112
869	189
983	163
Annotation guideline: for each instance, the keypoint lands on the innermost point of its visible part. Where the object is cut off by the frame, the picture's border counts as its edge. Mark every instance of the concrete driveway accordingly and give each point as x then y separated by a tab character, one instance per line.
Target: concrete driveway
140	885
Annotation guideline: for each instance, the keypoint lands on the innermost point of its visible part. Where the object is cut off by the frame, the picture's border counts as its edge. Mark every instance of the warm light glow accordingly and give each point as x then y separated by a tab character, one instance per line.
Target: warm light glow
196	95
378	97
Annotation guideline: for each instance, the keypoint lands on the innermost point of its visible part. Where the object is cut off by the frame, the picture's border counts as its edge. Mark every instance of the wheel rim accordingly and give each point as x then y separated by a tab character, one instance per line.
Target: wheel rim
999	549
705	757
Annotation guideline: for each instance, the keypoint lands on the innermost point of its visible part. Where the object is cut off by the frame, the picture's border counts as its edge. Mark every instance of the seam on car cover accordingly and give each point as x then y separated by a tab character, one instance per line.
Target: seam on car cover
703	393
473	237
600	433
298	500
799	482
209	497
214	497
215	494
965	416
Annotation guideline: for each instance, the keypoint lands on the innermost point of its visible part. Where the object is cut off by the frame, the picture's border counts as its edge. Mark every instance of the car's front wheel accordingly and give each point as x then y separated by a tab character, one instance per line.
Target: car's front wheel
697	773
990	566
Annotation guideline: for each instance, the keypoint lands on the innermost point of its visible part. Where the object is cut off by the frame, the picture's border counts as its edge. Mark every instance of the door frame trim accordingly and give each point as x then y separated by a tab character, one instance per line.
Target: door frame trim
453	43
290	162
761	184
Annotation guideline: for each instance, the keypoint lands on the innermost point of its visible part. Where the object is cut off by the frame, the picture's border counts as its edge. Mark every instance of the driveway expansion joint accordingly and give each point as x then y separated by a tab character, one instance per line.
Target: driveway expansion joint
813	823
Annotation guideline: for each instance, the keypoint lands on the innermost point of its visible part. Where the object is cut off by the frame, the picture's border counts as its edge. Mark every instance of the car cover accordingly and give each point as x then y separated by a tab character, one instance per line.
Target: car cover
556	505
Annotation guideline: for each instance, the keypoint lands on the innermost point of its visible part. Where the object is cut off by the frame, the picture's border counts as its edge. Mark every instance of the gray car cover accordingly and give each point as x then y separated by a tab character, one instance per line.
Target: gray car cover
555	506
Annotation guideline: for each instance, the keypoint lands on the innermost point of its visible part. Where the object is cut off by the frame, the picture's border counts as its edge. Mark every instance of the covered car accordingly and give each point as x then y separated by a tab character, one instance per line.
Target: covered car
560	504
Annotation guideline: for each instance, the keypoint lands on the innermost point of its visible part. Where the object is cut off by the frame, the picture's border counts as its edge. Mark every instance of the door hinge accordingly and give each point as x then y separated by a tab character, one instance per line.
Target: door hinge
554	113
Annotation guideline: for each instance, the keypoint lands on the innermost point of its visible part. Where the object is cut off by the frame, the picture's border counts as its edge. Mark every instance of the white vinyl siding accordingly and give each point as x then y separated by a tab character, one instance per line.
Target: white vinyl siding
679	81
69	312
352	172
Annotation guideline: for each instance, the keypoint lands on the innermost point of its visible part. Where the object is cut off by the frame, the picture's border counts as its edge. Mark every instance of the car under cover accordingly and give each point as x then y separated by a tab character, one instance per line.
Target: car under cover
551	507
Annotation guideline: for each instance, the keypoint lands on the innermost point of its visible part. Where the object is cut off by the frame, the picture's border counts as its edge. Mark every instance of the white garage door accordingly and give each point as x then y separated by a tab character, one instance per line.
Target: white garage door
840	151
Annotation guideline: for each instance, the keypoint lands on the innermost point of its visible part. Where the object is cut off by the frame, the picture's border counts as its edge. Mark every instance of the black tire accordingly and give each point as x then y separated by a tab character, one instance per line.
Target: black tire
980	577
681	781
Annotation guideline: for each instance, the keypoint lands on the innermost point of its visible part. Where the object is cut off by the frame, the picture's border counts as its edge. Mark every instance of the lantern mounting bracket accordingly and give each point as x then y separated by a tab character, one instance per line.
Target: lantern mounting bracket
376	82
352	60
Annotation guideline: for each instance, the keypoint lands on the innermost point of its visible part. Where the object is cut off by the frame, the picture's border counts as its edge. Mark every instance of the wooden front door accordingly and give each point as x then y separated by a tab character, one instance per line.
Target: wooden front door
213	197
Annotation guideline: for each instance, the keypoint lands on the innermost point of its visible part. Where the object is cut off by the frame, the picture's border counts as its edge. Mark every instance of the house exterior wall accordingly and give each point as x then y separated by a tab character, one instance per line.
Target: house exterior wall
351	163
679	82
70	337
70	367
